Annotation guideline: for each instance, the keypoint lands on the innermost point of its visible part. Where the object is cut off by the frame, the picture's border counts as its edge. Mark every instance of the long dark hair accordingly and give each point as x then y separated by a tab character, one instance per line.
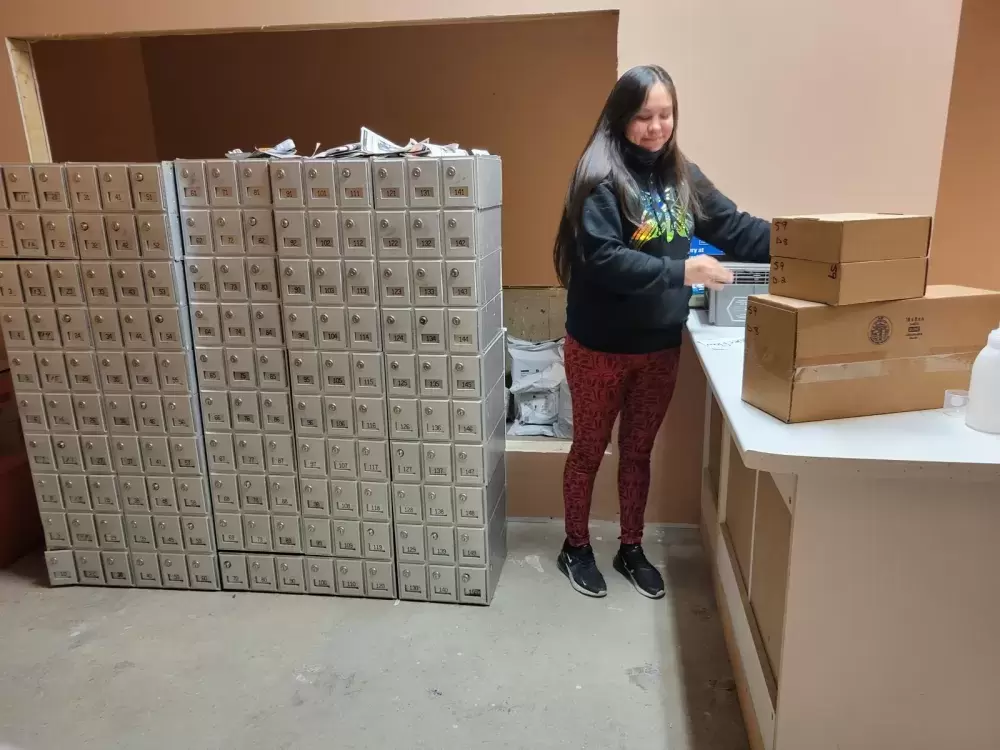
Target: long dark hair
603	160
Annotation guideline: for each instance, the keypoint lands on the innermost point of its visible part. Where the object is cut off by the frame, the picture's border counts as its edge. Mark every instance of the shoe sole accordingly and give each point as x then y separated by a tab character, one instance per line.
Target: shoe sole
618	565
576	586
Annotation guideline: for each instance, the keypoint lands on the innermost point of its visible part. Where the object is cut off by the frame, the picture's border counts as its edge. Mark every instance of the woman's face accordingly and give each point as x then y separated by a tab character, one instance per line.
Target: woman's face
653	124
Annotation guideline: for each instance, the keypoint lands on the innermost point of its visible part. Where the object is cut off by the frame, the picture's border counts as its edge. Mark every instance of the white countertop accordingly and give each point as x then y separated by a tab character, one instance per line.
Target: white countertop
911	443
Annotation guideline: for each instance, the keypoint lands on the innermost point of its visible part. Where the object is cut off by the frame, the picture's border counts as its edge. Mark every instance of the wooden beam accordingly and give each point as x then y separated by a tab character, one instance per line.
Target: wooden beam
30	102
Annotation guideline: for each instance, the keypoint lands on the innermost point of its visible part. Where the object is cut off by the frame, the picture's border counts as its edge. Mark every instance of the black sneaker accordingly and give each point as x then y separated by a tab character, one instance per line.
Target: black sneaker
580	567
631	562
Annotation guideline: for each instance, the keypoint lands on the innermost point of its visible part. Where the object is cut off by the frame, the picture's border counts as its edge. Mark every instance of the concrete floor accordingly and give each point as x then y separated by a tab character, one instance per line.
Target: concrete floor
543	667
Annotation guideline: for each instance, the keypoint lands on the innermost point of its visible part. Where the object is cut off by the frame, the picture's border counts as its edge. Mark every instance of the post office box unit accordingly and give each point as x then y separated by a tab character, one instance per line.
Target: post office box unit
227	232
89	568
390	183
98	285
364	329
48	493
142	374
347	538
146	570
300	327
286	184
81	369
263	279
287	534
282	496
460	237
407	503
137	333
471	419
35	283
327	279
266	324
60	239
175	372
320	183
431	335
28	238
59	412
410	543
356	234
173	569
379	580
153	189
331	328
185	455
231	276
203	572
258	230
342	458
354	179
324	233
367	369
75	492
425	234
272	374
123	236
315	497
233	570
149	418
113	372
255	182
471	464
359	282
201	282
317	537
401	374
345	499
67	286
40	452
228	531
471	546
338	416
257	532
210	368
249	453
31	409
404	419
117	569
19	187
89	414
224	493
84	192
113	183
442	583
132	493
241	372
406	461
189	177
433	375
253	493
179	414
350	577
427	282
51	187
438	504
24	371
275	413
120	415
437	462
370	417
309	420
215	410
198	231
223	191
290	575
104	325
169	328
245	412
392	237
159	237
91	236
56	531
373	460
163	284
376	504
435	420
474	375
413	581
10	287
126	454
338	372
8	248
472	586
82	530
304	367
74	330
463	286
192	496
470	330
110	530
320	579
16	331
291	234
279	454
44	327
68	454
441	544
394	283
130	290
197	534
155	455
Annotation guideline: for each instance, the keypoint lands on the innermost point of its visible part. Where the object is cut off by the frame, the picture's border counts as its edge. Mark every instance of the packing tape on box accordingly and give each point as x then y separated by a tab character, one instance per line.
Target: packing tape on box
961	362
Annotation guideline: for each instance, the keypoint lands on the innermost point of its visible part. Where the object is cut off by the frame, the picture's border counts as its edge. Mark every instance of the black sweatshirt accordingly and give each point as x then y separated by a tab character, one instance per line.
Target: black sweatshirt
626	289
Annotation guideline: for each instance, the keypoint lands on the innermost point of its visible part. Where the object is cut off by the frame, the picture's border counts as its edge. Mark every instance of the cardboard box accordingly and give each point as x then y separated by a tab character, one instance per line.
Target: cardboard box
849	238
848	283
806	361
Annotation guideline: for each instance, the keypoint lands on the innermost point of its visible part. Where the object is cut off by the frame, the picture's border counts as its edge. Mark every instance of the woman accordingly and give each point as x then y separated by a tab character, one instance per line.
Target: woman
622	252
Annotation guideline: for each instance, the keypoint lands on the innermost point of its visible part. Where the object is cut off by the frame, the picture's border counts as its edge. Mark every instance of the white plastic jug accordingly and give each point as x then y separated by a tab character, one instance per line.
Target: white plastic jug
983	410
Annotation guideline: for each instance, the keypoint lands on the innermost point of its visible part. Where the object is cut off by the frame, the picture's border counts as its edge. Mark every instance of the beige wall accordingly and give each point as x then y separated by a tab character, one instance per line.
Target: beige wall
964	246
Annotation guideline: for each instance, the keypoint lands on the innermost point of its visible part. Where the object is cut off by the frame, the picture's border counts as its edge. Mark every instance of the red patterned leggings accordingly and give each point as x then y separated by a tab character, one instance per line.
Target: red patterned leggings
602	385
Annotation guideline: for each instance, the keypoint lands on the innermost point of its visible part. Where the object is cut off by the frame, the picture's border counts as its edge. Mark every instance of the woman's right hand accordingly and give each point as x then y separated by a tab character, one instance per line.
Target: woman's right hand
704	269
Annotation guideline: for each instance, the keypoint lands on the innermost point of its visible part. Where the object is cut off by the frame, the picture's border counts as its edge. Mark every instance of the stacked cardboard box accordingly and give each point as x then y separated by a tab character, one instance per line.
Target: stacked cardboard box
851	329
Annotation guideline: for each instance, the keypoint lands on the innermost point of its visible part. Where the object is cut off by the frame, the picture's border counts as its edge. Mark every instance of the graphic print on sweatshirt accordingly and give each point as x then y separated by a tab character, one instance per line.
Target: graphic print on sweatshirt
659	219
